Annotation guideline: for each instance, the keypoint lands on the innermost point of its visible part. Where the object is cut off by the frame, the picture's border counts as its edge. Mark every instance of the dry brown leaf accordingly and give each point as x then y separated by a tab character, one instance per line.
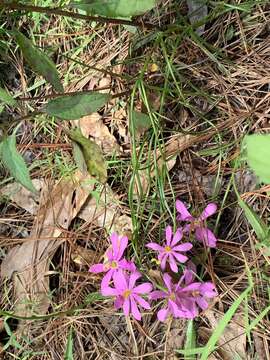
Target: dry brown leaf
23	197
233	340
93	126
175	338
28	263
82	256
106	212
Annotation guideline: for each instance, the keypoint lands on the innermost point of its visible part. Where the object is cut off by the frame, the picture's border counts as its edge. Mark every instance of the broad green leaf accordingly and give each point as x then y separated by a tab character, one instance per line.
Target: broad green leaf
190	342
258	155
39	61
6	98
69	349
76	106
92	153
224	321
115	8
141	122
15	163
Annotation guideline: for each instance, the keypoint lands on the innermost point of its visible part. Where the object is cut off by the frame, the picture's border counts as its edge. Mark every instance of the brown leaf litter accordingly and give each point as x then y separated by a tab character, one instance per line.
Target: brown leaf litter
28	264
232	343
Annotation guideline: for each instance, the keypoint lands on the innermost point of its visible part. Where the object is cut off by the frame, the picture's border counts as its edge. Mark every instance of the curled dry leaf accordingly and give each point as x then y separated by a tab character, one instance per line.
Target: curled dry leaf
28	263
232	342
93	126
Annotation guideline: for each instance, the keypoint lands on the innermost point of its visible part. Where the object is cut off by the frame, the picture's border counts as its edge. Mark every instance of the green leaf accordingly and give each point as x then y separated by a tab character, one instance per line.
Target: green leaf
76	106
6	98
255	221
190	340
115	8
15	163
141	122
258	155
92	153
39	61
224	321
69	349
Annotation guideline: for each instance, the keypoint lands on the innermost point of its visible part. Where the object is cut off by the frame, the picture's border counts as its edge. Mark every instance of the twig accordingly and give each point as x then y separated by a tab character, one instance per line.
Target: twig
71	14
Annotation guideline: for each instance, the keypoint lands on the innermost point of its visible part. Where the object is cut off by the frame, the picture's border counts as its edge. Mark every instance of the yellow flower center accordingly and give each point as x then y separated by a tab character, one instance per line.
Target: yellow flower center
172	297
126	294
114	265
168	249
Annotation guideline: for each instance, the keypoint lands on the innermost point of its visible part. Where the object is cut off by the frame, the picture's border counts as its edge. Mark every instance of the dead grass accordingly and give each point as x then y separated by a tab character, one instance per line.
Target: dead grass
217	91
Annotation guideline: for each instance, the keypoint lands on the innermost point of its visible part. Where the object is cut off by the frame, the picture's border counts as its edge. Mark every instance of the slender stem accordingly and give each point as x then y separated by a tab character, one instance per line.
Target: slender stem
59	11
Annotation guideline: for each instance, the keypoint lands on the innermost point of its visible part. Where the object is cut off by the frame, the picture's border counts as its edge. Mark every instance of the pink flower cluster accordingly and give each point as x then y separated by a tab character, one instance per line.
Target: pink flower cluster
182	299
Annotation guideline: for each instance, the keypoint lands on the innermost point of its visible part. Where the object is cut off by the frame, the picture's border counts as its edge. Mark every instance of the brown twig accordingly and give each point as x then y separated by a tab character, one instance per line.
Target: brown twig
60	12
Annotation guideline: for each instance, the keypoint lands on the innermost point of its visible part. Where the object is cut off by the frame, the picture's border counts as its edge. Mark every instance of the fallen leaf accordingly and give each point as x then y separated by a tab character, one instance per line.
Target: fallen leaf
141	123
24	198
82	256
93	126
95	162
175	338
232	342
27	265
106	212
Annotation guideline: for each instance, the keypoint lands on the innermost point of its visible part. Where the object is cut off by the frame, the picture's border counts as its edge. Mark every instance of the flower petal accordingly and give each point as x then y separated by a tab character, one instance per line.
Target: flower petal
192	287
172	262
203	304
158	294
180	257
206	236
169	233
126	306
163	260
97	268
108	291
107	279
123	243
115	245
177	237
183	247
133	278
144	288
208	211
208	289
184	214
143	303
173	307
134	309
154	246
118	303
120	281
126	265
168	281
162	314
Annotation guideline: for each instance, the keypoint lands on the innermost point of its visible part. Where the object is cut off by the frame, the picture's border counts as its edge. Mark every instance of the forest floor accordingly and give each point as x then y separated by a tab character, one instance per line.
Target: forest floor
182	102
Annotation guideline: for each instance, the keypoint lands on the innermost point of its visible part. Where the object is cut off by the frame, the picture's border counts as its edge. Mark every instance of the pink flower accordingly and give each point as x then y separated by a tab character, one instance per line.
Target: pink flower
183	302
113	260
171	250
194	294
202	233
173	305
127	294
